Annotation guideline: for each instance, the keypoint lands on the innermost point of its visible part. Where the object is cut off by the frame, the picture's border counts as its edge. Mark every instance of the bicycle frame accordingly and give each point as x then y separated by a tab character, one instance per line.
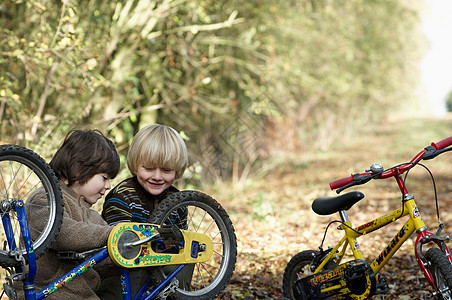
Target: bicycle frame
414	223
125	280
29	289
325	274
350	238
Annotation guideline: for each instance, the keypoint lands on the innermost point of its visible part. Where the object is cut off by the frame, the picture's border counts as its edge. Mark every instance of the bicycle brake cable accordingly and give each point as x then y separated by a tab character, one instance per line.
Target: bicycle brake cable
436	195
441	225
413	164
326	230
324	234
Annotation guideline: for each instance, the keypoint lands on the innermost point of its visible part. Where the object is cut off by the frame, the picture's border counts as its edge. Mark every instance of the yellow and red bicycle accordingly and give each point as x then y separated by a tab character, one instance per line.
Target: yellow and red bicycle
322	274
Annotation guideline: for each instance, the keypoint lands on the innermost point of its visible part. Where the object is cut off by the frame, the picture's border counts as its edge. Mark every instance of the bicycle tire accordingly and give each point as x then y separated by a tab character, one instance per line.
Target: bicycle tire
22	174
300	265
207	216
441	270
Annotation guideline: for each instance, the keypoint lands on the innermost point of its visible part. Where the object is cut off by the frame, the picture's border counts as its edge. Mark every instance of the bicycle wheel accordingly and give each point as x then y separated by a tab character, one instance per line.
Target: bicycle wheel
299	267
207	216
441	270
24	174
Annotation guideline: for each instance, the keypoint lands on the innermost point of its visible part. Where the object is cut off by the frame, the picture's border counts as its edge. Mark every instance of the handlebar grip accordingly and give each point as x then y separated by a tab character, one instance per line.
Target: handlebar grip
442	144
341	182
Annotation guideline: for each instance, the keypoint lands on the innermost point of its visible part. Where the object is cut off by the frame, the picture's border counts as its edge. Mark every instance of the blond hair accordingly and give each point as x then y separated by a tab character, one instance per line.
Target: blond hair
158	146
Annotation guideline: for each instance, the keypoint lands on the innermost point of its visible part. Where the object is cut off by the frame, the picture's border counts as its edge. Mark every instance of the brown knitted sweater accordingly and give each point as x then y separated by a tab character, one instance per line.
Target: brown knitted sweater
82	229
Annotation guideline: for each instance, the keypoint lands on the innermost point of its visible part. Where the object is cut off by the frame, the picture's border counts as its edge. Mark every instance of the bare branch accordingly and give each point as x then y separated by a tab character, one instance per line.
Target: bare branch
196	28
43	100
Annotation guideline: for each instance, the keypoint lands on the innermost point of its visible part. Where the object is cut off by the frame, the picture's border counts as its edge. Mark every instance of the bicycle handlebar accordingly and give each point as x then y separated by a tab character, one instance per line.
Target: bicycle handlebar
354	179
361	178
341	182
442	144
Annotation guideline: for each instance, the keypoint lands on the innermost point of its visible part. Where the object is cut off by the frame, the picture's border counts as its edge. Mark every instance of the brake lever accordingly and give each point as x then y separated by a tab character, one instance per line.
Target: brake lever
432	152
357	180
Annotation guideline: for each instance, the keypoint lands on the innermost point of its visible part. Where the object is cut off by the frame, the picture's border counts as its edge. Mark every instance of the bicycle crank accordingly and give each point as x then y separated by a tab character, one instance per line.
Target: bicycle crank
354	278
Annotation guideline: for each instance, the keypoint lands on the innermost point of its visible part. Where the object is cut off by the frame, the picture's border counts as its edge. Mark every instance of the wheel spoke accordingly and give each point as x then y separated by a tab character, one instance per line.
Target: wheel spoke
22	173
205	216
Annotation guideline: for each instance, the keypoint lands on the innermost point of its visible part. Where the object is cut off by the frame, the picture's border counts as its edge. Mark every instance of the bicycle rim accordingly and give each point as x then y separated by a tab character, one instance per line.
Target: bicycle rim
22	174
206	216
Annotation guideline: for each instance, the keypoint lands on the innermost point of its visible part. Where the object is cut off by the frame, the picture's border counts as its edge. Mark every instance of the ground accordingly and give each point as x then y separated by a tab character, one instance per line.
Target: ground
274	221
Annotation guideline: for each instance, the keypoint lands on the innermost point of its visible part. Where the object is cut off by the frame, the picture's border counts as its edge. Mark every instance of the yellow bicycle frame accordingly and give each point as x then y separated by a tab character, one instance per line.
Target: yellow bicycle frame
338	283
350	238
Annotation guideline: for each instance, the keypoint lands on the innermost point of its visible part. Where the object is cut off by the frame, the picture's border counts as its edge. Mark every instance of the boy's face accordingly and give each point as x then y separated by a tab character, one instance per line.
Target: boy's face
155	180
94	189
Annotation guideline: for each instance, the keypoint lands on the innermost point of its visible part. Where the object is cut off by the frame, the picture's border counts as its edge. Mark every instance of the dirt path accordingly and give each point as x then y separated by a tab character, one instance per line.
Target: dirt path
273	219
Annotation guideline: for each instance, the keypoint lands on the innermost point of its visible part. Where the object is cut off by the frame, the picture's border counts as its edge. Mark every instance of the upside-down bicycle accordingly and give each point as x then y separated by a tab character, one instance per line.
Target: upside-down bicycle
208	246
322	274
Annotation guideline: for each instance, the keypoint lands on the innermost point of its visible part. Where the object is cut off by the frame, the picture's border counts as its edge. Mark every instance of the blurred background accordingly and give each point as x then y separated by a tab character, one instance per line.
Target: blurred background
243	81
274	99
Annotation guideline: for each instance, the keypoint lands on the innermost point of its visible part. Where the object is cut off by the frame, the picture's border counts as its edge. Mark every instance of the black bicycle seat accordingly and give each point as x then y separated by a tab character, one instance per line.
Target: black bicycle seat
329	205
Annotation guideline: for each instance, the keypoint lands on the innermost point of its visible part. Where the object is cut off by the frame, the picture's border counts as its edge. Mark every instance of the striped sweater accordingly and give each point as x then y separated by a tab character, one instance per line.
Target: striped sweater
130	202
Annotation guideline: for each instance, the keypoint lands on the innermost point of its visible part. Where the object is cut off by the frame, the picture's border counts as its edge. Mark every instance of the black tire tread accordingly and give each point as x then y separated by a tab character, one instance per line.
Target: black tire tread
189	197
303	257
438	259
32	160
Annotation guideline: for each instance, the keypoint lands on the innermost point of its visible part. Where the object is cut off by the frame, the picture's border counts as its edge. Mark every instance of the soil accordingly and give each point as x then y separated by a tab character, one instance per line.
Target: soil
274	221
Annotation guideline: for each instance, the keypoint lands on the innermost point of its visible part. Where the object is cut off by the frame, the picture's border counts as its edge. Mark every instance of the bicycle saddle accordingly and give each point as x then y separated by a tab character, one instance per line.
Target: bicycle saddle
329	205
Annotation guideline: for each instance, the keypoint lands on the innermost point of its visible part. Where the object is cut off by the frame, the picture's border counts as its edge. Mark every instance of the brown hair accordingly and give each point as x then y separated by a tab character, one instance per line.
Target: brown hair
83	154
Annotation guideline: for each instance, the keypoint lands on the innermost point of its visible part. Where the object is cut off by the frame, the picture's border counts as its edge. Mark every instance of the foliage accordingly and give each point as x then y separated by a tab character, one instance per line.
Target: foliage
341	64
240	80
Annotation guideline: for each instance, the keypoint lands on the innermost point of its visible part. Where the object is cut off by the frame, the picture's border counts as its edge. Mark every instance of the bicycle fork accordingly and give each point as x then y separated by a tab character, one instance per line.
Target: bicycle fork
426	237
29	287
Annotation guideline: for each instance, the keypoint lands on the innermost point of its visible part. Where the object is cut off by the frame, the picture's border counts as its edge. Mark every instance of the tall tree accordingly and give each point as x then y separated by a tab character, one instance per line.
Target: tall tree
241	80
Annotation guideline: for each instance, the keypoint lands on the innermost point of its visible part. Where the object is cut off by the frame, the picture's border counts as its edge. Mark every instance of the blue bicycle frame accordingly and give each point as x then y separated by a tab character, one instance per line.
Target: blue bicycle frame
30	292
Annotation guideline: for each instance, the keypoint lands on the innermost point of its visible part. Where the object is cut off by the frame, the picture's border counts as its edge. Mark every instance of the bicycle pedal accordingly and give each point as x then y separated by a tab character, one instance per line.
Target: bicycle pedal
9	291
382	286
171	234
168	290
